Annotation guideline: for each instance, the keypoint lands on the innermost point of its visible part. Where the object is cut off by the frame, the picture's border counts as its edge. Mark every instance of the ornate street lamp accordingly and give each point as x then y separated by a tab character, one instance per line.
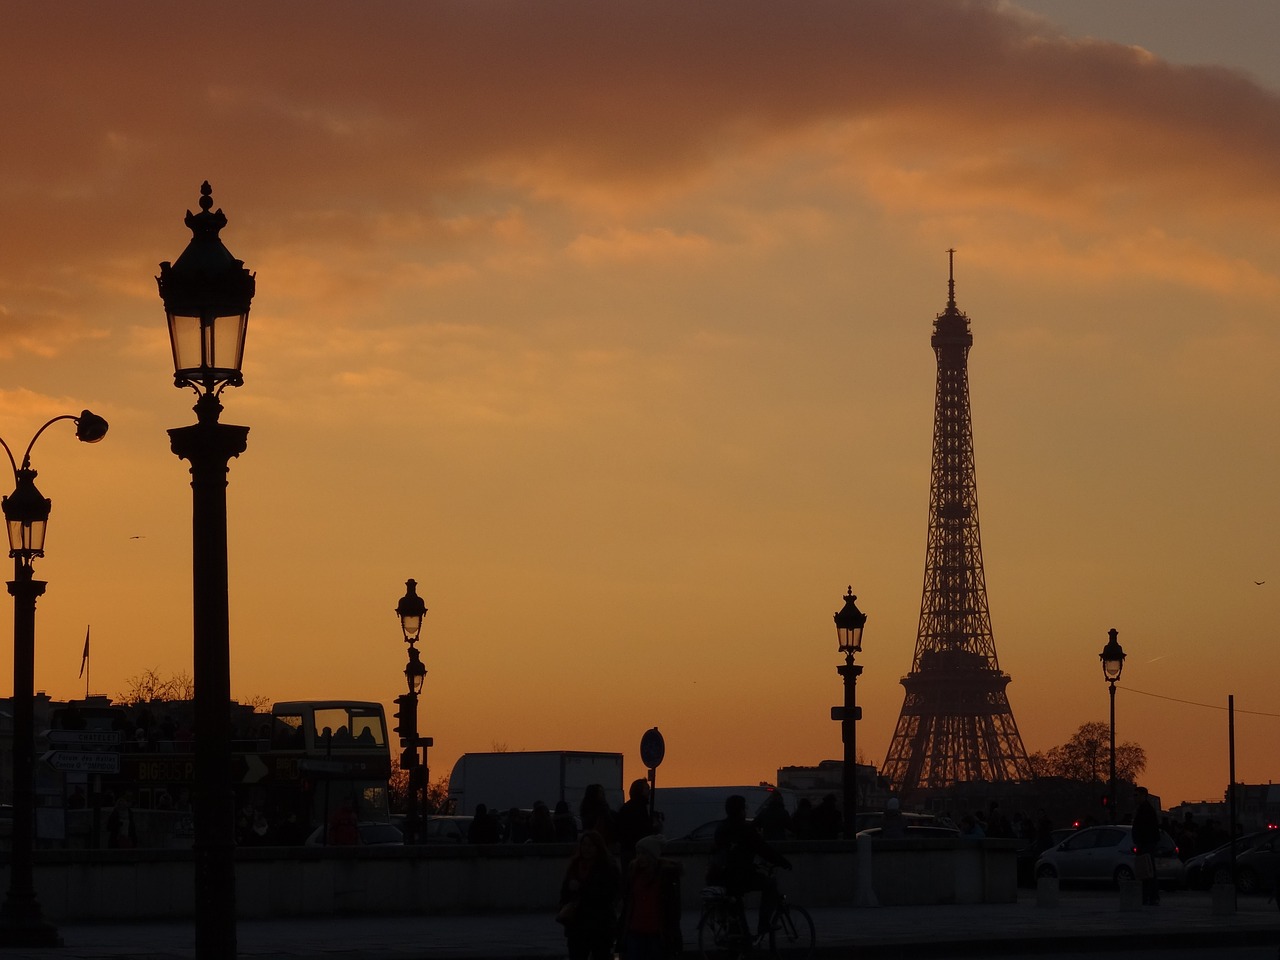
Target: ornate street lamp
849	623
26	514
206	294
411	610
1112	657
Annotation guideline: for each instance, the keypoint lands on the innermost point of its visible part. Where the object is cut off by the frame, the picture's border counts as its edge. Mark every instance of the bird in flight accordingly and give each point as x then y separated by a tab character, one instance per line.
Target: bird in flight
1259	583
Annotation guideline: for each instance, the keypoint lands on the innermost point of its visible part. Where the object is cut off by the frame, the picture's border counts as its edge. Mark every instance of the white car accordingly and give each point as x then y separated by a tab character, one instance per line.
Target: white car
443	829
373	833
1107	854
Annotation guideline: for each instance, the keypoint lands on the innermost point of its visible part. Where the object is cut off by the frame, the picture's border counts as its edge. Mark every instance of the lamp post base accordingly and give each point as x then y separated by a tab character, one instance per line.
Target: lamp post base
22	925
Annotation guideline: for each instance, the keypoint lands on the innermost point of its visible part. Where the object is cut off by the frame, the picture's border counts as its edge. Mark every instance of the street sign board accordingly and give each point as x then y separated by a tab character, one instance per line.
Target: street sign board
83	761
248	768
86	738
841	713
327	766
652	748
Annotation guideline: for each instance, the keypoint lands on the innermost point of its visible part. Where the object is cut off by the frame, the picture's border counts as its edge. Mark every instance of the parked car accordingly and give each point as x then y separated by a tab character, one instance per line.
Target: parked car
373	833
1257	863
705	831
916	830
444	829
1029	851
869	819
1106	854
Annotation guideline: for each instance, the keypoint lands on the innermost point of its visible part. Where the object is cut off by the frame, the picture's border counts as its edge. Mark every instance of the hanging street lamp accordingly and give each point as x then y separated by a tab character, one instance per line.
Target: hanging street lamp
26	515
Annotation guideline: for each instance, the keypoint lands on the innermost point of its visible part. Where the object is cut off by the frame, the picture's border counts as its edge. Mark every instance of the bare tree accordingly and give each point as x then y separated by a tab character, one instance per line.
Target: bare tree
435	802
260	703
1086	757
150	685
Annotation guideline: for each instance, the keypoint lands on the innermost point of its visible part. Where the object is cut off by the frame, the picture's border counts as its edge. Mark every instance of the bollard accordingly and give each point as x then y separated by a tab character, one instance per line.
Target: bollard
1224	899
1130	894
1047	892
864	894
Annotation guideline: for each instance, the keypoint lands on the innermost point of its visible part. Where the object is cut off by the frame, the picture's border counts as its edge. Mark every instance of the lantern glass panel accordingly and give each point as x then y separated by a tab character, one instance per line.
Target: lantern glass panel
27	539
412	626
184	337
226	342
1111	668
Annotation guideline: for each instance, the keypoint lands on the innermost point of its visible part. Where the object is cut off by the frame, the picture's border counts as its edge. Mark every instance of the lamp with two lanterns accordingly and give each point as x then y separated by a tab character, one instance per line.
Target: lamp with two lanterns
411	610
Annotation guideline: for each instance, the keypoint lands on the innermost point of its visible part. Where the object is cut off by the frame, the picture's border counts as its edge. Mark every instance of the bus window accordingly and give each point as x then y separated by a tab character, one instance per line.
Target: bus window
367	728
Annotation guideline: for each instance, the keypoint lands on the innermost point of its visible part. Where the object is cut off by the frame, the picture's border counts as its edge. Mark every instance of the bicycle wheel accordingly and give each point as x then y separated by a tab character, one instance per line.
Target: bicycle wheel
792	932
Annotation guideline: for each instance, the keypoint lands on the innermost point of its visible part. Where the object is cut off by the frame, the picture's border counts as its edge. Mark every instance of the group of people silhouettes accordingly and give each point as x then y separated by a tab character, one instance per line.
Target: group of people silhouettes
620	892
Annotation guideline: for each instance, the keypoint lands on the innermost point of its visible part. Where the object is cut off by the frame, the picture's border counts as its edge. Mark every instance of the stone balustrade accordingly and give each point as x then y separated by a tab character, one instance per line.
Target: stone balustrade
291	882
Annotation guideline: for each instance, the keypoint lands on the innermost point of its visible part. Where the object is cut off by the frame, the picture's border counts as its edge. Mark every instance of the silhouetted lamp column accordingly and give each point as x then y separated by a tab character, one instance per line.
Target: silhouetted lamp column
411	609
206	295
26	514
849	623
1112	657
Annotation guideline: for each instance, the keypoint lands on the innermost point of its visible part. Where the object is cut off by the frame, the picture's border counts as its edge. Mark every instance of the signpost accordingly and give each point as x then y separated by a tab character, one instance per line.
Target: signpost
652	749
91	751
85	738
82	761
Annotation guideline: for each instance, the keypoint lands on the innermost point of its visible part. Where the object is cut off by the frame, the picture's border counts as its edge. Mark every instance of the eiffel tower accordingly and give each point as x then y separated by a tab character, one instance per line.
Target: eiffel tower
956	725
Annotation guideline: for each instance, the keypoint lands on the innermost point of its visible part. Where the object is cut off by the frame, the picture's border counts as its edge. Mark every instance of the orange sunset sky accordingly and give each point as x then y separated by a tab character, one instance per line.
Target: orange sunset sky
609	324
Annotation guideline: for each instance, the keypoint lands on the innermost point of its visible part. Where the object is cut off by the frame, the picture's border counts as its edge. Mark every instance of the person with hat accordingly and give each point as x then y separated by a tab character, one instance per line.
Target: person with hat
651	911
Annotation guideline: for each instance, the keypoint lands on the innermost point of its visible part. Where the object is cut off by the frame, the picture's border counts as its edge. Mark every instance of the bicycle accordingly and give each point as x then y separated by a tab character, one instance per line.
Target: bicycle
725	934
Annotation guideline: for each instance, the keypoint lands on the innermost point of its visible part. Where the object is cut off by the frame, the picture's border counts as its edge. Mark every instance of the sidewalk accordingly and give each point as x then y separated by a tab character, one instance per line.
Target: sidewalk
1094	919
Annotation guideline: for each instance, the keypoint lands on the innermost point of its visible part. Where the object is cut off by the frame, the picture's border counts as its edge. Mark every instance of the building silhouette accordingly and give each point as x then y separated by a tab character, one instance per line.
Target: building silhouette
956	725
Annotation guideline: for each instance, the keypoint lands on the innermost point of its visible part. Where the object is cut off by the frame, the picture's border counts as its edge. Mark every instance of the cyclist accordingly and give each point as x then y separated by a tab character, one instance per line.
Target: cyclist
734	850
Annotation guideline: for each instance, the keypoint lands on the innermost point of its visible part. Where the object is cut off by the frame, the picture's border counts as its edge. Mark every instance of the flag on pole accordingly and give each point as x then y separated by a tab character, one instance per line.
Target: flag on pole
84	657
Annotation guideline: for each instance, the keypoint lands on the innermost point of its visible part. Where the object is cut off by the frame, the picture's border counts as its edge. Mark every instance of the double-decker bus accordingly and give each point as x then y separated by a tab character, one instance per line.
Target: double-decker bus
292	769
325	754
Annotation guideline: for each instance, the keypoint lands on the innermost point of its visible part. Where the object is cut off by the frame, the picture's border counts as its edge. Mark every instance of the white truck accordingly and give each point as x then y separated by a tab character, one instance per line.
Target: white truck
520	778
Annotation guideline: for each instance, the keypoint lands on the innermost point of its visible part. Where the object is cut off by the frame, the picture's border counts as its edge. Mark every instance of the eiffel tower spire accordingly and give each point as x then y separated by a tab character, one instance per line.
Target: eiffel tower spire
956	724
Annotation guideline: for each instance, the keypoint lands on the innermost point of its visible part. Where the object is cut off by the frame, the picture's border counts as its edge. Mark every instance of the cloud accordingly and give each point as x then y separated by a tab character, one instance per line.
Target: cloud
620	244
365	154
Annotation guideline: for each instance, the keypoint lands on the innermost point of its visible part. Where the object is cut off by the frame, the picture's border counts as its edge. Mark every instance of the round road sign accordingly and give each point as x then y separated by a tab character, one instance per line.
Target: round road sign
652	748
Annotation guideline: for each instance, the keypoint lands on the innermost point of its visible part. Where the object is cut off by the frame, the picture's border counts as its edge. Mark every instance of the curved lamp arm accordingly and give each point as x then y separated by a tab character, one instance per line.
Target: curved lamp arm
90	428
26	512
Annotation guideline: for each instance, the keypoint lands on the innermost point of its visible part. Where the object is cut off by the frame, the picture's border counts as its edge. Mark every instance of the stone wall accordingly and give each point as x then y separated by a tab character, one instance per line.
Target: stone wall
281	882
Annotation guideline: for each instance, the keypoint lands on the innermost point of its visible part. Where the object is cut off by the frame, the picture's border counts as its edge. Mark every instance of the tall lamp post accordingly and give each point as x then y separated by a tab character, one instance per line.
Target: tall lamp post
26	514
1112	657
849	623
411	609
206	295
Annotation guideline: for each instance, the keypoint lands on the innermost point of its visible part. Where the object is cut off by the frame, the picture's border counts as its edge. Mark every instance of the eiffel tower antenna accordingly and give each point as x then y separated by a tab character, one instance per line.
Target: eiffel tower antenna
956	725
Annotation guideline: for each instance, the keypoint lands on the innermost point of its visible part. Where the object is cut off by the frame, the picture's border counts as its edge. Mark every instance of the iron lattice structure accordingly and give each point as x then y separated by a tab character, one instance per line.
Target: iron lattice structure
956	725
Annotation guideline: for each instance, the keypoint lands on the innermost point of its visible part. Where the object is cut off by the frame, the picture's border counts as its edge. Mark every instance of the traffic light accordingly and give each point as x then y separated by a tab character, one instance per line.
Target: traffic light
406	719
409	761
